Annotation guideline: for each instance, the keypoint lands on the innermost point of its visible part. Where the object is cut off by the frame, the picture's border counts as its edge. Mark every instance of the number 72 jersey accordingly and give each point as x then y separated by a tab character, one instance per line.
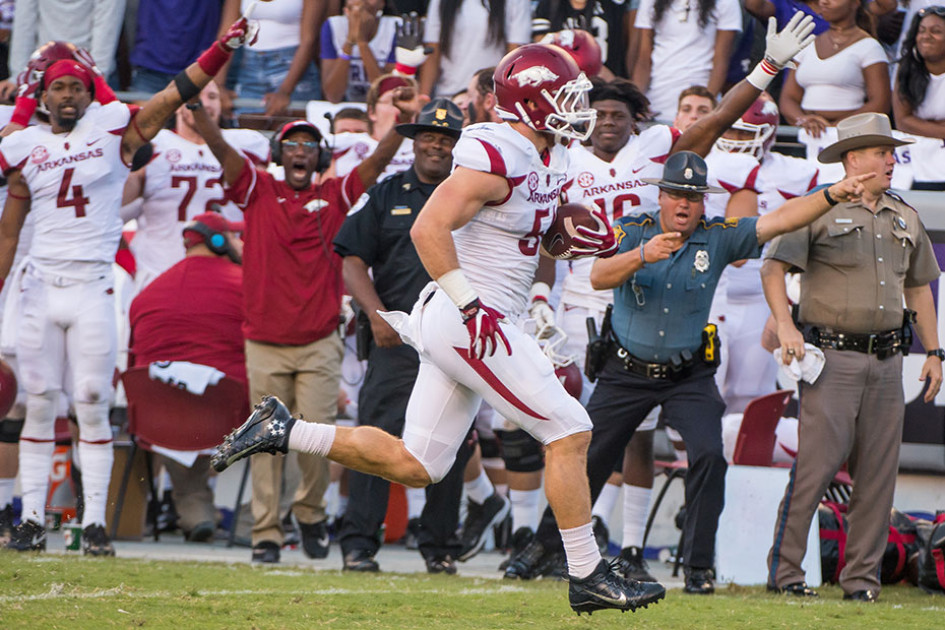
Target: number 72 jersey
75	181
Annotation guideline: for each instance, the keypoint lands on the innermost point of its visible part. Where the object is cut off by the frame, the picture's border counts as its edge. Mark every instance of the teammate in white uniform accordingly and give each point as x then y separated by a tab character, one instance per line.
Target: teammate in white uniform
742	303
69	175
479	236
183	179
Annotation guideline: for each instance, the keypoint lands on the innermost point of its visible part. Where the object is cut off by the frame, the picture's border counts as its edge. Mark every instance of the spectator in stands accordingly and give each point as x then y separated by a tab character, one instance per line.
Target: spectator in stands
194	312
169	35
356	48
782	10
180	182
481	105
682	46
350	120
919	100
607	20
278	67
292	298
845	72
467	35
90	24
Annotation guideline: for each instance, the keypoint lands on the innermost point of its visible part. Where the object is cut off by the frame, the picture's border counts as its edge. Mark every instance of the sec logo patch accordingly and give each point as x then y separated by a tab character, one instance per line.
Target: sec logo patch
533	181
173	156
585	179
39	155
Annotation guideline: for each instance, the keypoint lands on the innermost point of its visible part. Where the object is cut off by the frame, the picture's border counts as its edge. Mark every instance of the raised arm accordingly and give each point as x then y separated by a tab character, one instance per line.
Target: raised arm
231	159
186	85
409	103
779	50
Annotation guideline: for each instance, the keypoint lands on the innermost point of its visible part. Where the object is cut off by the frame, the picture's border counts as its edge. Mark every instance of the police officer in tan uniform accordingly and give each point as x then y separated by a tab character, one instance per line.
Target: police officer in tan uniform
858	261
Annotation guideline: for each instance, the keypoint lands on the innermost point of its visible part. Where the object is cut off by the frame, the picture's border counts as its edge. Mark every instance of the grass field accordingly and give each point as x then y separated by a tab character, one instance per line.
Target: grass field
70	592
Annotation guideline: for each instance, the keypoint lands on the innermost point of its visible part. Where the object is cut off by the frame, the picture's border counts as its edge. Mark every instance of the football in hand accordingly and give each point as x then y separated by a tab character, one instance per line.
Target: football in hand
558	240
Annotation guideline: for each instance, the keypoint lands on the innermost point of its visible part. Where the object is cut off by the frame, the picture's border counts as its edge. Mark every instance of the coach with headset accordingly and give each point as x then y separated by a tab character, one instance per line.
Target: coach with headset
194	312
292	297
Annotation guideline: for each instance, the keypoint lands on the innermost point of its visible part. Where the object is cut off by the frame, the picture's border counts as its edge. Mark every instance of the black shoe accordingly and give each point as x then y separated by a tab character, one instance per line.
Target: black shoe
360	560
868	596
444	564
265	431
315	539
411	540
526	564
502	532
604	588
95	541
699	582
601	533
520	540
266	551
479	518
800	589
27	536
202	532
6	524
631	565
554	565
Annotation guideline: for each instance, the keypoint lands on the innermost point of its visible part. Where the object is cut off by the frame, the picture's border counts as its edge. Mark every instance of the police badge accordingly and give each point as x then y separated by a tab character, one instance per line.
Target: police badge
702	261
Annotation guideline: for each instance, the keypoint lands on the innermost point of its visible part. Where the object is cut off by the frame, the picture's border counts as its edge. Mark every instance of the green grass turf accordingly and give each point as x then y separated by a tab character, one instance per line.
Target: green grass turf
71	592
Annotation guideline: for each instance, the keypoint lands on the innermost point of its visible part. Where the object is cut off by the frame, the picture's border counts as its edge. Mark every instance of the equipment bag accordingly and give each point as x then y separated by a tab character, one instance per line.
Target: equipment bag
932	558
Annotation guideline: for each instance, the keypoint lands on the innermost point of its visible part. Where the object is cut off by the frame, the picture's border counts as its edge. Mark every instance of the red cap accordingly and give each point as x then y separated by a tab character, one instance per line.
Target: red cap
68	68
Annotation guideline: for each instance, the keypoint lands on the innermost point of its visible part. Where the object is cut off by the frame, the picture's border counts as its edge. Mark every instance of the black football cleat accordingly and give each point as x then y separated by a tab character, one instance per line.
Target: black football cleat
265	431
479	518
95	541
604	589
527	564
27	536
631	564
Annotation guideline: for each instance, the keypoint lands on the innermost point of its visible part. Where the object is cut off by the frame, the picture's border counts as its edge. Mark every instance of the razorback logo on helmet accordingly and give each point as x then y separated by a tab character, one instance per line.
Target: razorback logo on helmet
39	155
534	76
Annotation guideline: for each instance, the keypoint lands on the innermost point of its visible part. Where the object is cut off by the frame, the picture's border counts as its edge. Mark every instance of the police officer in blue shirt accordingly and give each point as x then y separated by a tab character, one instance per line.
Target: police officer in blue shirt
664	274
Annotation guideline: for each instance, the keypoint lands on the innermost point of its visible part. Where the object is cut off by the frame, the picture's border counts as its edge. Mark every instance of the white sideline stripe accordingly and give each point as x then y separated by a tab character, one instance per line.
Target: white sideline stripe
57	591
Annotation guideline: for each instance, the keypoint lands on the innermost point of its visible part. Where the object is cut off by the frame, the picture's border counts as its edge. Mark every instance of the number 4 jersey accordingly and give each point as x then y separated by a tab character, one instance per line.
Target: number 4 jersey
498	248
75	181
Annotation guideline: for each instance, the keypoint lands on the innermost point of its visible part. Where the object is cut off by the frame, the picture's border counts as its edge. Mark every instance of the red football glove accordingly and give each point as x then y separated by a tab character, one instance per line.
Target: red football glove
241	33
85	58
599	241
482	323
26	102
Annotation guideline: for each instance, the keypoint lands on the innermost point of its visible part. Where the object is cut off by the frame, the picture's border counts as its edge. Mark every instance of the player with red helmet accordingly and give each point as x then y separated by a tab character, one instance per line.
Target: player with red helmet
582	46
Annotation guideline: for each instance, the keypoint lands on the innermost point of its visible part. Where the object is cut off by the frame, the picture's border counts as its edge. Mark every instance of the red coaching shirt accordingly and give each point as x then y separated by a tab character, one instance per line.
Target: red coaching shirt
192	312
291	275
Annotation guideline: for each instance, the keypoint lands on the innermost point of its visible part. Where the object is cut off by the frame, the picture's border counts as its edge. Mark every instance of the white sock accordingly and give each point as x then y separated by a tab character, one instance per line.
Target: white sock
312	437
6	492
416	499
606	500
580	547
636	507
97	460
525	508
35	466
480	488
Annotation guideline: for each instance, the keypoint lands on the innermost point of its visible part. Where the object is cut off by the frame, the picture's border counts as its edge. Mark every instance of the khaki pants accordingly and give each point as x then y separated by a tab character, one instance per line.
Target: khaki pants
306	378
193	497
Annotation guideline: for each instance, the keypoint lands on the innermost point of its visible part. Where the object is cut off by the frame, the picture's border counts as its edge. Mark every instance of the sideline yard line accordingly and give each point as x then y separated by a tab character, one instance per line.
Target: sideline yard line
57	591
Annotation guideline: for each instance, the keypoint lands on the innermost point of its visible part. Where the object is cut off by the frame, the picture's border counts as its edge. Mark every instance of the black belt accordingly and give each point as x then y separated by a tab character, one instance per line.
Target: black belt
662	371
884	344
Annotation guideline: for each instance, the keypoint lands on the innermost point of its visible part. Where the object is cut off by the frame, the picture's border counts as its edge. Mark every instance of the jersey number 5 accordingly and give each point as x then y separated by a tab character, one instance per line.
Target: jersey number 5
529	244
77	201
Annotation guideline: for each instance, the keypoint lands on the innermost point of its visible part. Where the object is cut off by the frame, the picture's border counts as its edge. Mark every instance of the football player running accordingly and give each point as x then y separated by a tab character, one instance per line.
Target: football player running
69	175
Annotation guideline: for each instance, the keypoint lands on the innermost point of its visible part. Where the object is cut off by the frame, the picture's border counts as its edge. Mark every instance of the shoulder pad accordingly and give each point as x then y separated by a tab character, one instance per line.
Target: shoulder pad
493	148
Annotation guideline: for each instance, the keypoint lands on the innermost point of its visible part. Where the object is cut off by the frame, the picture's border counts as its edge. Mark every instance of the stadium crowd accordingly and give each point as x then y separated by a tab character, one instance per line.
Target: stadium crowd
216	231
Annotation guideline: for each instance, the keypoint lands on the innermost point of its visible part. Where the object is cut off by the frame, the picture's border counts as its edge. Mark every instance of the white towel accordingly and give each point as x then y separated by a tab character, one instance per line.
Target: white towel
186	375
408	326
807	370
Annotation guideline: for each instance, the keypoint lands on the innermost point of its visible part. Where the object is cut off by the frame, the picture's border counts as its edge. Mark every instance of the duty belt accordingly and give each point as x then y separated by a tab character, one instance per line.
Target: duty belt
651	370
883	345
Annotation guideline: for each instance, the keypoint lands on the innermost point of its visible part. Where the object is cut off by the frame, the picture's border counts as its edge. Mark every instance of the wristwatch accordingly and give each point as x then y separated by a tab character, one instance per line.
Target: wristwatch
938	352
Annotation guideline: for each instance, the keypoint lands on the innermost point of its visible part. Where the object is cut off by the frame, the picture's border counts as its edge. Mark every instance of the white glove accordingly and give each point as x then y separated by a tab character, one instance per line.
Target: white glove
409	52
540	310
780	48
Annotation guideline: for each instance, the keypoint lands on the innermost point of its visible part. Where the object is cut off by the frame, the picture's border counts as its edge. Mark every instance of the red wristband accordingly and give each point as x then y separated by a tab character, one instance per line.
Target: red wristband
103	93
213	59
407	71
23	111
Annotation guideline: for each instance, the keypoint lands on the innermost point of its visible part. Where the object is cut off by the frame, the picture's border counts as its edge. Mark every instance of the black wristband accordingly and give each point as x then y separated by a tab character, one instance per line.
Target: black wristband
187	88
830	199
938	353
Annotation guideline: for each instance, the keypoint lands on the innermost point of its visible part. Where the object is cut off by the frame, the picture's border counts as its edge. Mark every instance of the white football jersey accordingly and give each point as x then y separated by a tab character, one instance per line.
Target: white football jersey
618	189
731	171
780	177
498	248
182	180
350	149
75	181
